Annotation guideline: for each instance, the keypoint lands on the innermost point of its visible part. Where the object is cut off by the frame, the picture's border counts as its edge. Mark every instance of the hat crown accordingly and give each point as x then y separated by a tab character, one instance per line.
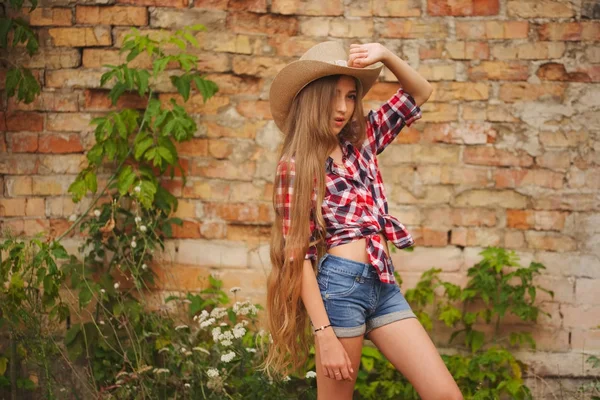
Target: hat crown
330	52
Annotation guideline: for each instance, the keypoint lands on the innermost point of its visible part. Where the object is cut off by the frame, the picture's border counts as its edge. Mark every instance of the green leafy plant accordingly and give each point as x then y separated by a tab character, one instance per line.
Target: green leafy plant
486	369
19	82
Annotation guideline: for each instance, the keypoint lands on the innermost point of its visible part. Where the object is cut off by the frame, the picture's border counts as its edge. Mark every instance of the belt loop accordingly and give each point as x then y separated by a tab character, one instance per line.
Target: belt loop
321	262
365	273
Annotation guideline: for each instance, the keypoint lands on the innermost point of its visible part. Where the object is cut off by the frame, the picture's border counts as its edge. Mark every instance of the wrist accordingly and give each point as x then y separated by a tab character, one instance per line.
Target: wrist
326	333
386	54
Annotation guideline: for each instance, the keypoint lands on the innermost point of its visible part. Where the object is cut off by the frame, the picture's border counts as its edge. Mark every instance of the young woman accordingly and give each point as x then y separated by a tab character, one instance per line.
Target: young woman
331	211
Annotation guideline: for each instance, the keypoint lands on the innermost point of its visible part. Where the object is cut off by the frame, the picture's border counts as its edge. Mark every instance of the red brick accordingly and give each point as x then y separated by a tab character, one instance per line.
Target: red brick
211	4
111	15
538	220
476	237
60	143
23	142
557	72
239	212
499	70
21	121
570	31
533	177
248	233
51	17
98	100
413	29
224	169
255	6
270	24
188	230
429	237
463	7
484	155
48	101
197	147
156	3
482	30
523	91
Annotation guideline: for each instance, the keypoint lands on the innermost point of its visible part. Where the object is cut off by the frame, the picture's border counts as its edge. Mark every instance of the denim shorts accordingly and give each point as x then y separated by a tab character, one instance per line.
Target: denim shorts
355	299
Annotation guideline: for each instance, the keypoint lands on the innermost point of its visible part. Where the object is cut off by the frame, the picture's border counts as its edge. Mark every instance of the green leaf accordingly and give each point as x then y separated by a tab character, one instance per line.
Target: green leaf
72	333
126	179
58	251
367	363
85	296
91	181
191	38
96	153
182	83
477	339
166	154
141	147
121	128
77	189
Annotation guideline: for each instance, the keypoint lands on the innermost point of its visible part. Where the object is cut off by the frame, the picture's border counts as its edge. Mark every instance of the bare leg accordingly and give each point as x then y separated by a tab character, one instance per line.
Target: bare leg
407	346
328	388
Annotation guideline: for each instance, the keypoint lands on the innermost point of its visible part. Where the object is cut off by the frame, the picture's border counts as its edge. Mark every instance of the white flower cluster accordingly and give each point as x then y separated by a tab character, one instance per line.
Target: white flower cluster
212	373
311	374
244	308
225	338
178	327
227	357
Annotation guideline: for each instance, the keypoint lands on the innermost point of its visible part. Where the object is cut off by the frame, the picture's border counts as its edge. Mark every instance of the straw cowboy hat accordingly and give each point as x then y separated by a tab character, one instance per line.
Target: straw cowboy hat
326	58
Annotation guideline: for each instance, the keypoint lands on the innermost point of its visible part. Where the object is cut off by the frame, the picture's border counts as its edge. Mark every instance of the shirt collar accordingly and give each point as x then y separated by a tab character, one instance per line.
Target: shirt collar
346	147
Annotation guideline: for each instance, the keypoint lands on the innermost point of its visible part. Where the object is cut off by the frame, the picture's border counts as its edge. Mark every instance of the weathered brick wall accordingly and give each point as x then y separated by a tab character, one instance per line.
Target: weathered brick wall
507	153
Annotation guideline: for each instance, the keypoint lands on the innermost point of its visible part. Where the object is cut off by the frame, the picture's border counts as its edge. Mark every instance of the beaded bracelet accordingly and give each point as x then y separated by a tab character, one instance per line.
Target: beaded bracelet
323	327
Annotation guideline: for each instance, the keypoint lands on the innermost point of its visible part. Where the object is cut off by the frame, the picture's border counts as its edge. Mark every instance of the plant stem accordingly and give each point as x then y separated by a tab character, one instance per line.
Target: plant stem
13	366
112	178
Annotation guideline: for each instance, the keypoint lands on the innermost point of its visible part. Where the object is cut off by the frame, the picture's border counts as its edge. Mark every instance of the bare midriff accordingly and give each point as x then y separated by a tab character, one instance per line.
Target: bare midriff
357	250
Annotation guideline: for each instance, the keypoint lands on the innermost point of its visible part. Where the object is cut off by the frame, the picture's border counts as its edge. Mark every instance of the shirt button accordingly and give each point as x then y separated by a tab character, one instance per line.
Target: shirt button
327	296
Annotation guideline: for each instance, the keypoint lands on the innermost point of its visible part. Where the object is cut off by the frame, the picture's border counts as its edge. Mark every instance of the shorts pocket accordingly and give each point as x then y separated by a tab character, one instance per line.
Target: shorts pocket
339	285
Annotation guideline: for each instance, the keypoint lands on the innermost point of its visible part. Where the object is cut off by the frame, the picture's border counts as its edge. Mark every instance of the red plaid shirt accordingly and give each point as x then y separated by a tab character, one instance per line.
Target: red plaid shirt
355	205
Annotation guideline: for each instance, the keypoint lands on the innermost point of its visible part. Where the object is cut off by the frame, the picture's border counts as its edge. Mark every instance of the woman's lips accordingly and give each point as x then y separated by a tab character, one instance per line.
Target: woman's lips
338	123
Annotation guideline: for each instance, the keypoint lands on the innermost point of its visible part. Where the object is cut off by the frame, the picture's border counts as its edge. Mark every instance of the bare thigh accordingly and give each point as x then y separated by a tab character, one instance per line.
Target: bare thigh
328	388
407	346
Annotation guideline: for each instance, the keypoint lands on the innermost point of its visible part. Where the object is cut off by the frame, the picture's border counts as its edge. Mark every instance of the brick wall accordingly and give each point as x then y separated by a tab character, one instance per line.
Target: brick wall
507	153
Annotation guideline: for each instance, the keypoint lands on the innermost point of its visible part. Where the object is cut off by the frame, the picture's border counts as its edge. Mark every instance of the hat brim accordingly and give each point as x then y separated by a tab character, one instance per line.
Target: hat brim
297	74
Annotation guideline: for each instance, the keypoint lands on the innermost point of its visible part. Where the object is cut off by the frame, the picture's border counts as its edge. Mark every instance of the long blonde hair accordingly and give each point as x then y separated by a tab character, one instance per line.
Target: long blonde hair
309	140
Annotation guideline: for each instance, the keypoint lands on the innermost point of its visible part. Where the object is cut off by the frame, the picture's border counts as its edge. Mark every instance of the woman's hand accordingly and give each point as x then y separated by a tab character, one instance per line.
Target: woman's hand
334	359
363	55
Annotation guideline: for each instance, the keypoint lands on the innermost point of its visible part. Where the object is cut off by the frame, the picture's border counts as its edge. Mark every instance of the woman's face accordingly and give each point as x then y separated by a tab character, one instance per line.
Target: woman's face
343	103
